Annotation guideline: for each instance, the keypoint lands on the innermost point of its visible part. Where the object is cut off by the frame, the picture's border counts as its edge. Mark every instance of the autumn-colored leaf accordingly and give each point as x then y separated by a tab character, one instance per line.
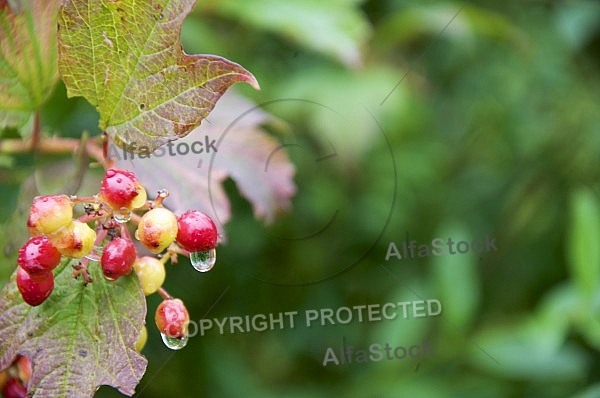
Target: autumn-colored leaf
254	160
28	66
125	57
80	338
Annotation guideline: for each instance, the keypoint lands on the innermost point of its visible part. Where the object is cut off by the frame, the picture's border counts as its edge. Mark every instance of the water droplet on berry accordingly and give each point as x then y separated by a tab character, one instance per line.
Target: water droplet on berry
173	343
203	261
122	215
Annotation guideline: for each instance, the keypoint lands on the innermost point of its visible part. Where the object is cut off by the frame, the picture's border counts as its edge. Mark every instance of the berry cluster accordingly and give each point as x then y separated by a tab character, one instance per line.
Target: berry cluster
56	234
14	379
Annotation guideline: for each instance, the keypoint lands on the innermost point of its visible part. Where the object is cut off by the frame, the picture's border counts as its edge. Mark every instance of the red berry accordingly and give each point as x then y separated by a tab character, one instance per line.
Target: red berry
14	389
118	258
120	188
38	255
49	213
172	318
196	231
35	289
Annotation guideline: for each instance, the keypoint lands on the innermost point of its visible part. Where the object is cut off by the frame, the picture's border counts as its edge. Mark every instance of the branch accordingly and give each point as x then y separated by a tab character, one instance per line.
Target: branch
55	146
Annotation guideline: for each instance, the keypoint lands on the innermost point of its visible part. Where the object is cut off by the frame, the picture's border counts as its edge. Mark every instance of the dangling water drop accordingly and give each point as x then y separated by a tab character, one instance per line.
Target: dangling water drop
173	343
203	261
122	215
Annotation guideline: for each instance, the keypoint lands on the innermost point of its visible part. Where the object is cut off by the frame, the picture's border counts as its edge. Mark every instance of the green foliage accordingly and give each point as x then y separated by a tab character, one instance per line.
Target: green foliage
28	68
584	251
336	28
495	130
73	336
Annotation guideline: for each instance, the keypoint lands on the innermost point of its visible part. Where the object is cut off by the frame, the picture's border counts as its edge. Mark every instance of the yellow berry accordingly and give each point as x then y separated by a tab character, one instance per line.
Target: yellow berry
49	213
141	341
157	229
141	197
76	240
151	273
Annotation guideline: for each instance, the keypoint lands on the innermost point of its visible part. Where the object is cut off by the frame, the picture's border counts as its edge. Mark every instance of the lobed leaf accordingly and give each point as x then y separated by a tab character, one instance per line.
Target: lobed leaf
125	57
81	337
255	161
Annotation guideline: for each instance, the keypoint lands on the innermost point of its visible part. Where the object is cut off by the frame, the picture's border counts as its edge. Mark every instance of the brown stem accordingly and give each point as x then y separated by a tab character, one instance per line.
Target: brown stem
53	146
81	269
176	249
161	195
164	294
100	235
35	135
147	206
91	217
83	199
135	218
125	232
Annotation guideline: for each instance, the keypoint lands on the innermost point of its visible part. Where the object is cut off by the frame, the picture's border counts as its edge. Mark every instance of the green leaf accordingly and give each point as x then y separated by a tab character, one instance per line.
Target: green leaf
456	279
522	351
28	67
411	23
14	232
592	391
583	238
336	27
81	337
125	58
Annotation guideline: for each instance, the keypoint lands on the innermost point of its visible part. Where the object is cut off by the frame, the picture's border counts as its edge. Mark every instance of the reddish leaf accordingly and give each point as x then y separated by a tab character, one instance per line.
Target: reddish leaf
253	159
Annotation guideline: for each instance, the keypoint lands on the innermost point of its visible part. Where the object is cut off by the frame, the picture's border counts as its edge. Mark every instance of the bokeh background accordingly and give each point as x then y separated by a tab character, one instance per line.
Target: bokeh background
494	130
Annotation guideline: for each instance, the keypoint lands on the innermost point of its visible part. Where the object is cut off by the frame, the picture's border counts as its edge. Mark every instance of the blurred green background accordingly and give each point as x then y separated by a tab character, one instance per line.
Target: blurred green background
495	130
